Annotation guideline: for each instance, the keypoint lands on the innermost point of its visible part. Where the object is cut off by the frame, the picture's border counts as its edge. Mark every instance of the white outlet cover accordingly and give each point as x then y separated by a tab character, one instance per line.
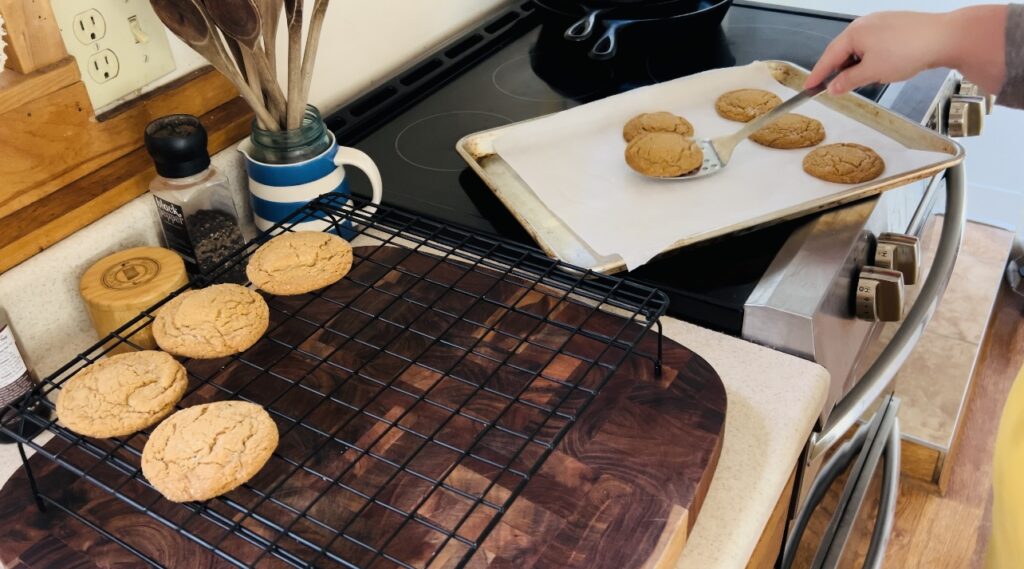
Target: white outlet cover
141	58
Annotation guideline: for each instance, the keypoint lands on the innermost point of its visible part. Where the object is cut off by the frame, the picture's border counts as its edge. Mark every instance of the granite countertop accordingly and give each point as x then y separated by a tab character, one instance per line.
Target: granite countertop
774	401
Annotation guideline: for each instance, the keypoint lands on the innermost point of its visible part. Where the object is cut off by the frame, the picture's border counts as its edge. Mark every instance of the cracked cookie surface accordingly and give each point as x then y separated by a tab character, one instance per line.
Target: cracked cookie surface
299	262
208	450
656	122
213	322
844	163
664	154
122	394
745	105
791	131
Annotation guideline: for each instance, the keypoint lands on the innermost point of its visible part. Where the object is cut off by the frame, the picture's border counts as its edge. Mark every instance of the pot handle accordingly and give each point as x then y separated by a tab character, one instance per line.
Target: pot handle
583	28
607	45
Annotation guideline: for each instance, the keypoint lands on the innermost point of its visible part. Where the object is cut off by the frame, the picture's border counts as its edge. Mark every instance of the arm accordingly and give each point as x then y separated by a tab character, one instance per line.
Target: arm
985	43
1012	93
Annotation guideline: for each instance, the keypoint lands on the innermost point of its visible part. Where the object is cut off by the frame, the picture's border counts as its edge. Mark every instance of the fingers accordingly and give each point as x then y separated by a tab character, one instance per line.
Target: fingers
854	77
835	54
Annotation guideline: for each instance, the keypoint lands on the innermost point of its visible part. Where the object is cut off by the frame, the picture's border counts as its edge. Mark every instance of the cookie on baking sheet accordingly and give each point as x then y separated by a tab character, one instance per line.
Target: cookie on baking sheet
213	322
122	394
844	163
299	262
656	122
664	154
745	105
208	450
790	131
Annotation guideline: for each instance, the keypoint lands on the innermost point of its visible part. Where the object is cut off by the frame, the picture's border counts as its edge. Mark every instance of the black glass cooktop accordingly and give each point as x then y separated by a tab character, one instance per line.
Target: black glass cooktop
517	67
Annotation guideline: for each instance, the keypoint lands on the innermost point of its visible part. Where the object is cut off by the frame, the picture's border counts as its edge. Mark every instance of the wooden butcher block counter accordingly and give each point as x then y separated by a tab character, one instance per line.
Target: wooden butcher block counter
622	488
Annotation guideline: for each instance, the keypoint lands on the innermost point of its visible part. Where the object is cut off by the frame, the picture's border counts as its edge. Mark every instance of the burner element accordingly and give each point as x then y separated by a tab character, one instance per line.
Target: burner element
560	78
766	42
430	142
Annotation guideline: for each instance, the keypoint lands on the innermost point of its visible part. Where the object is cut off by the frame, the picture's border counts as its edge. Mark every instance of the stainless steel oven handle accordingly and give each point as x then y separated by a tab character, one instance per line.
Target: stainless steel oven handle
878	378
833	468
887	507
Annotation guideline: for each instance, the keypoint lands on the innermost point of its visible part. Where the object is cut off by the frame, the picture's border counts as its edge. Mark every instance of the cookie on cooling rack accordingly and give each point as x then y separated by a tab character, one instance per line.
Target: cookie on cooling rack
299	262
208	450
213	322
122	394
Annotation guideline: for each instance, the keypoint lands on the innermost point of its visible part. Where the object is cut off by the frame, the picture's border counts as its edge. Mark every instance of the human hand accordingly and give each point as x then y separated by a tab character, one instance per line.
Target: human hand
891	46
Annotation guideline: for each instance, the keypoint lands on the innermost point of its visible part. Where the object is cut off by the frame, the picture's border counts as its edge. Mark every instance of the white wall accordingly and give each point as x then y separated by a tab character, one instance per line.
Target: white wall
363	41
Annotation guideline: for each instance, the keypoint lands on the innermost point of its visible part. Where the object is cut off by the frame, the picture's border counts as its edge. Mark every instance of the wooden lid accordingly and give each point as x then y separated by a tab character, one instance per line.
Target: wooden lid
133	278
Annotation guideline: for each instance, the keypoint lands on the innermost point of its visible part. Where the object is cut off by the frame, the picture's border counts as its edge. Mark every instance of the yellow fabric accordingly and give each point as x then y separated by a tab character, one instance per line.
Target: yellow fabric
1006	546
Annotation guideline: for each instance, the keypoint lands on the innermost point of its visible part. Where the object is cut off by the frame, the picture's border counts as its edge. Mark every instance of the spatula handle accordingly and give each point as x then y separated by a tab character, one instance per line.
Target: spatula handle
792	103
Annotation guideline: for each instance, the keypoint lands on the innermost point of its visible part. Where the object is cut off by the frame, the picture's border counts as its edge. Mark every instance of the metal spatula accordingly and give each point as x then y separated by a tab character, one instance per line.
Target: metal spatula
718	151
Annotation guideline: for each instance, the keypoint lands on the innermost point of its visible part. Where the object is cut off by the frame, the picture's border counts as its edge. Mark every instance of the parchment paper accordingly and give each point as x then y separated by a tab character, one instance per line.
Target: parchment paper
574	162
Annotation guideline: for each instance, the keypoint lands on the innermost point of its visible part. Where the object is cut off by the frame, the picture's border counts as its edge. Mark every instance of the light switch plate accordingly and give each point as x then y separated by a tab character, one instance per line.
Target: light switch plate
120	45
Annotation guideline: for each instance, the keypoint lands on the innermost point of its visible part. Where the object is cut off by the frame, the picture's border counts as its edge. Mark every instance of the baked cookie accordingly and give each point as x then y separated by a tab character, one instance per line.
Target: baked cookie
122	394
208	450
844	163
664	154
213	322
745	105
790	131
656	122
299	262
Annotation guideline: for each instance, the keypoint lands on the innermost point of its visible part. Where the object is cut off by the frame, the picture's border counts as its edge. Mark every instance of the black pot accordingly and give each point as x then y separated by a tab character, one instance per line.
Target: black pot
610	23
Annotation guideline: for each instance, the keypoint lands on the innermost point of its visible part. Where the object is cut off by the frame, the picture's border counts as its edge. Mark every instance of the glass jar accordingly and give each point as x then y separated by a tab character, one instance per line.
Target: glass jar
308	141
16	383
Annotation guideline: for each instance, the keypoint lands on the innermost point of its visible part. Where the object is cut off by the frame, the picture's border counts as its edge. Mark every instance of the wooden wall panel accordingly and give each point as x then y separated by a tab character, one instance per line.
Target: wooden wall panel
33	38
55	140
47	221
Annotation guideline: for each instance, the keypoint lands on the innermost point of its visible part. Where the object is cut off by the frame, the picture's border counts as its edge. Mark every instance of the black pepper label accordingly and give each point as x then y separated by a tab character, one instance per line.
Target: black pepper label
172	218
14	378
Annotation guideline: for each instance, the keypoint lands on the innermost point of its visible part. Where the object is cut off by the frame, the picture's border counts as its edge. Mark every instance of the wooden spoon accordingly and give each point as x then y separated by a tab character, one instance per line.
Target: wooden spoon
240	21
236	56
316	23
293	16
270	15
188	21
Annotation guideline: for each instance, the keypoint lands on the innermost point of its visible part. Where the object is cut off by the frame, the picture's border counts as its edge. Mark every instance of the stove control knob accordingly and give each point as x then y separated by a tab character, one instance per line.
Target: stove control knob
901	253
966	115
880	295
968	88
971	89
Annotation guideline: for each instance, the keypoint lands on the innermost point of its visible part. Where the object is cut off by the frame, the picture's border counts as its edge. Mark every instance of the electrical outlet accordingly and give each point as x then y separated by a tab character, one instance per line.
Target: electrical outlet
120	45
89	26
103	66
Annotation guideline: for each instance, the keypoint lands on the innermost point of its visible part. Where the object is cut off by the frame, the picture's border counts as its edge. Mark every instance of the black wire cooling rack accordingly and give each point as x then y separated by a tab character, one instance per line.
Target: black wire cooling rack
414	399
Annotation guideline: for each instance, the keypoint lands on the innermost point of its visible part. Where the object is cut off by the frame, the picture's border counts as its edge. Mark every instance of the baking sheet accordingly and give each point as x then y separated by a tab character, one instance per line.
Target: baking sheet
573	162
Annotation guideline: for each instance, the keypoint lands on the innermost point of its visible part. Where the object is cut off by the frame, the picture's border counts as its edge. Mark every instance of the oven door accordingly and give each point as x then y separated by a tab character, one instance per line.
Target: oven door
852	502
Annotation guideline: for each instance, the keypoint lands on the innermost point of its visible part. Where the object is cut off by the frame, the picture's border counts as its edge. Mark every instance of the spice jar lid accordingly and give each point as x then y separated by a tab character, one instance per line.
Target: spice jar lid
177	144
133	279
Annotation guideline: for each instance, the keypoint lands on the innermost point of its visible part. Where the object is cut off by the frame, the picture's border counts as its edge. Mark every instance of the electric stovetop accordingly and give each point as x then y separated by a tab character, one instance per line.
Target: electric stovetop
518	66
